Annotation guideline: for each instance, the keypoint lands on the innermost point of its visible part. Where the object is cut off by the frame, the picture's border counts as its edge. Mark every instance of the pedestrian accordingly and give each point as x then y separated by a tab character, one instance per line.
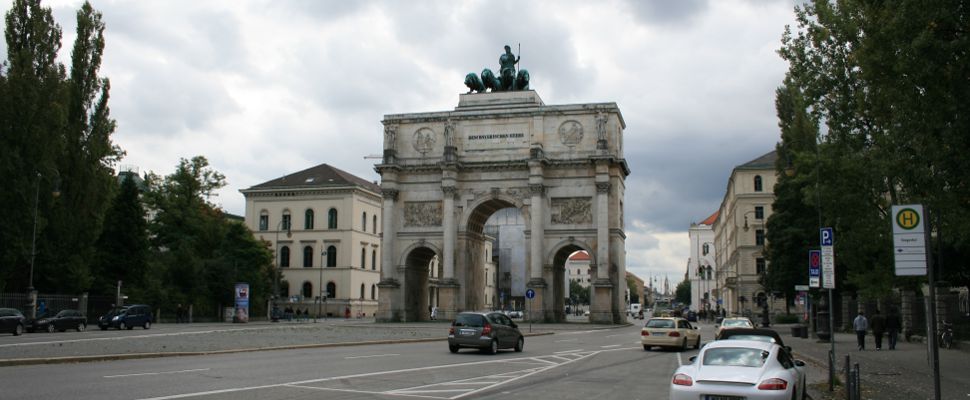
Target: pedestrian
893	325
878	328
860	324
434	313
347	313
178	314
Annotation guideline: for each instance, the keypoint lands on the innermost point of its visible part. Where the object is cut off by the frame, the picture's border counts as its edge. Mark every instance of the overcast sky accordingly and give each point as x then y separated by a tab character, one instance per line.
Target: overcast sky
267	88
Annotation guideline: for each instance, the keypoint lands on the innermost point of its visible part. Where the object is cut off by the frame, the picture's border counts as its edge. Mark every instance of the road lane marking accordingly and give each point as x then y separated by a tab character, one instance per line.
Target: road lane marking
619	334
680	362
375	355
567	351
612	345
567	340
578	332
156	373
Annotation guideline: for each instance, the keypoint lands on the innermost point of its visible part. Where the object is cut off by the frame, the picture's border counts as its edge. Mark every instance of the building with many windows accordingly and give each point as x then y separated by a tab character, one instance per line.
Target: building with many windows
739	235
701	268
324	228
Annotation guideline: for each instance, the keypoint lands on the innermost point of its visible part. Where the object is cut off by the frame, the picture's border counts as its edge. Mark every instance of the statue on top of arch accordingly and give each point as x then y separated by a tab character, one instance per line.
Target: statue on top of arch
507	80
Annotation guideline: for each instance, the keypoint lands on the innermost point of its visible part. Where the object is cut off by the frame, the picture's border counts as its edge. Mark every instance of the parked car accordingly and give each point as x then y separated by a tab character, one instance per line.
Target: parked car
514	313
62	321
127	317
671	332
740	369
488	332
692	316
12	321
732	322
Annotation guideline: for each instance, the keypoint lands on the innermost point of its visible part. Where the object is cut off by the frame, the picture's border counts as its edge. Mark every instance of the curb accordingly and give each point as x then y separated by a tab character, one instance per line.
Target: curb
134	356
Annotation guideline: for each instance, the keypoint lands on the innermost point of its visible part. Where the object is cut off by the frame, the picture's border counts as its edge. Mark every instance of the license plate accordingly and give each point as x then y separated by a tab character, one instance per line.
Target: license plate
467	332
716	397
658	334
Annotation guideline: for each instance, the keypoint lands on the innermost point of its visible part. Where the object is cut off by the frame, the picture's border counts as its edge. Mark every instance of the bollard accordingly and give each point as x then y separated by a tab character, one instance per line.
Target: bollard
848	381
857	384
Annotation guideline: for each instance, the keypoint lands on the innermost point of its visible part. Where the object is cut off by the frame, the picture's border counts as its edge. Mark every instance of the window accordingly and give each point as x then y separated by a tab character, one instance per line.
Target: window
757	183
759	237
361	291
578	272
307	257
707	248
284	257
332	219
264	221
759	212
331	256
759	266
373	292
710	272
285	288
331	290
308	219
373	260
307	290
363	222
286	221
373	226
363	258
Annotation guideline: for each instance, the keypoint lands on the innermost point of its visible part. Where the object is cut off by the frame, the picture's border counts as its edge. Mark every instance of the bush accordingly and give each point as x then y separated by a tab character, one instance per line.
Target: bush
787	319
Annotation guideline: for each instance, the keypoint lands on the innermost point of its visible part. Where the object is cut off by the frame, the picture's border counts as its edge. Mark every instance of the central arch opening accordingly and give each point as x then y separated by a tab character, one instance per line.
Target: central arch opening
417	275
491	261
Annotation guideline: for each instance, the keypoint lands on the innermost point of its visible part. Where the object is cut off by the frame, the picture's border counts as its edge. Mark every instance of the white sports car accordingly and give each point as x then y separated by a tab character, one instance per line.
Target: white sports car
740	369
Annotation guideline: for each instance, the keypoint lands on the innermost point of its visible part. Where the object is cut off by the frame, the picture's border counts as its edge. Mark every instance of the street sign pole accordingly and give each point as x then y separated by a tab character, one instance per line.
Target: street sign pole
530	294
827	241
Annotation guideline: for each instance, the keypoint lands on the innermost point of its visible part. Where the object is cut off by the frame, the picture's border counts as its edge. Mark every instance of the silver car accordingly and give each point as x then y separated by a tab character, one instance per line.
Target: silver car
740	369
487	331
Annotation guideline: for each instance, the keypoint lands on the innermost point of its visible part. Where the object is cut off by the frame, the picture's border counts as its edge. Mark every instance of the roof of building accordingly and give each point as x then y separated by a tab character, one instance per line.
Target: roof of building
322	175
579	256
766	161
710	220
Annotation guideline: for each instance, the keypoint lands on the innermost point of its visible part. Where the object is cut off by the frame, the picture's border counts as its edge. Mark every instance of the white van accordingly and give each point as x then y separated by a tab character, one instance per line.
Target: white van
635	310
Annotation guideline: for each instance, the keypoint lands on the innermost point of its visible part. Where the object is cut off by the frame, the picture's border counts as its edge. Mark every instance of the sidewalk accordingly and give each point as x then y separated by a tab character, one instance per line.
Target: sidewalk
903	373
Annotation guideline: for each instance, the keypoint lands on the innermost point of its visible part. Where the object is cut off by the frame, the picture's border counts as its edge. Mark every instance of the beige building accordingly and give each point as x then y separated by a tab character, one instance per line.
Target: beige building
577	269
739	235
323	225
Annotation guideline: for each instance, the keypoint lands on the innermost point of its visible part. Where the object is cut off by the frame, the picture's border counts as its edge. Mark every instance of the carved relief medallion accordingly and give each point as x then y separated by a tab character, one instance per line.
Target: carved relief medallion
422	213
424	140
571	132
571	210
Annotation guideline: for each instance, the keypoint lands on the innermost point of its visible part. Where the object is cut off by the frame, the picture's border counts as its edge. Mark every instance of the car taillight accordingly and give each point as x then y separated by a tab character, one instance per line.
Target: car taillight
644	333
682	380
674	334
487	329
773	384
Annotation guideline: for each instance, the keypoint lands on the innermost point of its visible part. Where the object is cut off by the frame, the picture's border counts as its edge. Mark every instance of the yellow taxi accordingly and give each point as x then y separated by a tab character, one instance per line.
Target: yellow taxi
672	332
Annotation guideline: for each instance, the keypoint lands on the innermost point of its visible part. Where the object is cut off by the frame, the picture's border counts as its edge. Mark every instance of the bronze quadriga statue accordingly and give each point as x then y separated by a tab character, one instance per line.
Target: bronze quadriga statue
507	80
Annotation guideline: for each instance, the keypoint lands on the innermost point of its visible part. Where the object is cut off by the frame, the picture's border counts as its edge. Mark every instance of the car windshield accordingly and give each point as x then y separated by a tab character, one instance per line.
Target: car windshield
735	357
472	320
660	323
757	338
64	313
736	322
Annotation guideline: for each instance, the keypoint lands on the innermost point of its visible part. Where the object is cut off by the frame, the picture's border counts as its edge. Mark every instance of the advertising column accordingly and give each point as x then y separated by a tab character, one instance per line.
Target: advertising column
242	303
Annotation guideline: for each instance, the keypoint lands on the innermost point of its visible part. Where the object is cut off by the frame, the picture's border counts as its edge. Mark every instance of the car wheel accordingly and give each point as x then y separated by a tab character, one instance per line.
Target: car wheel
122	326
646	347
683	346
453	348
103	328
493	348
50	328
148	325
18	330
698	344
81	327
519	344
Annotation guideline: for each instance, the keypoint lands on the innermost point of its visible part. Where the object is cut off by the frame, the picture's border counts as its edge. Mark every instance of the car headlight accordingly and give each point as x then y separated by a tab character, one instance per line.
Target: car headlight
115	318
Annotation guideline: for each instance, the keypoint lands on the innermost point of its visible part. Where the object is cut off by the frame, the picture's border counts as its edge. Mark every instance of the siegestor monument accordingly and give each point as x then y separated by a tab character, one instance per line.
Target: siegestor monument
444	173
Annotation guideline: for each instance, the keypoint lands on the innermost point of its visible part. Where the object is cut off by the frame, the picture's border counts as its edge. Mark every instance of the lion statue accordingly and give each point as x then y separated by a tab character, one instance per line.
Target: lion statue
522	80
490	81
474	84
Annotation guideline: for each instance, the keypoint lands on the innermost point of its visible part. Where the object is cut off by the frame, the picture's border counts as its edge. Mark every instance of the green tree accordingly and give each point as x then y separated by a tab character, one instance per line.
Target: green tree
631	284
682	292
122	249
578	292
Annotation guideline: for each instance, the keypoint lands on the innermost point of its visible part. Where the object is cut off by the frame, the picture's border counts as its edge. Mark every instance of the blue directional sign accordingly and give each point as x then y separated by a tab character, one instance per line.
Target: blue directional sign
530	294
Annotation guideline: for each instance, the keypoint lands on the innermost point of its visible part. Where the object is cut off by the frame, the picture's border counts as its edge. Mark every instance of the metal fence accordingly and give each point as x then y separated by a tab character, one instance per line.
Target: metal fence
50	304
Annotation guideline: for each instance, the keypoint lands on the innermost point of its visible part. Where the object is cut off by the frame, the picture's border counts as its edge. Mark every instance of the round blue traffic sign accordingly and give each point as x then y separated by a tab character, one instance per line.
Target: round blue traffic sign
531	294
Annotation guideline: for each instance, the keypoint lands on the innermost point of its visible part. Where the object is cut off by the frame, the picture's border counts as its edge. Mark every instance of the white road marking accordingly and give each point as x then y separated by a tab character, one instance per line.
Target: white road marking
612	345
680	362
577	332
621	334
567	340
156	373
567	351
375	355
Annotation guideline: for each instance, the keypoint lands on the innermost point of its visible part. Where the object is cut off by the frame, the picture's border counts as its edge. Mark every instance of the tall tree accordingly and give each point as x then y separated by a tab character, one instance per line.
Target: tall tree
682	292
31	118
122	249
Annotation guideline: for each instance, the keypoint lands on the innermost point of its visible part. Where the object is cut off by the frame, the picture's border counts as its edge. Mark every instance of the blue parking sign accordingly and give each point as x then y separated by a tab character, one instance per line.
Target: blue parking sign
827	236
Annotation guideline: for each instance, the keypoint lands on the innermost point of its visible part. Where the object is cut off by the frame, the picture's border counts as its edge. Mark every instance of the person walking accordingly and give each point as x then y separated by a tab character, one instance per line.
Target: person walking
878	328
860	324
893	326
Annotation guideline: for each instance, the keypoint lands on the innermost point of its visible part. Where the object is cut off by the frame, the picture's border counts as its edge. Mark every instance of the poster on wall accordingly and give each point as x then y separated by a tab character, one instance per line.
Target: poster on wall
242	303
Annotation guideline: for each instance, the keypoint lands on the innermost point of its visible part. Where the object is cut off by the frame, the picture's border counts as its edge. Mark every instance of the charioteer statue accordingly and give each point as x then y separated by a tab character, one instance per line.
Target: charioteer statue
507	80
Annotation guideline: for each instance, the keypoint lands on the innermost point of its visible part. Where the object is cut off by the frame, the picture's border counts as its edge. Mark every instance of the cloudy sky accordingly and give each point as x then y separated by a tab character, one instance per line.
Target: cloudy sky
266	88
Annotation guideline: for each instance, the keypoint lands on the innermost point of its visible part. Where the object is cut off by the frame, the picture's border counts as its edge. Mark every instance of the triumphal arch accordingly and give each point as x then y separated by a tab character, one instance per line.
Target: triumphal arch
444	173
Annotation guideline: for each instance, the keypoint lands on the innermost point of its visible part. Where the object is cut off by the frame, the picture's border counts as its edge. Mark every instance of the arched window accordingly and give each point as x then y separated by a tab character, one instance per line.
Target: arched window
308	219
332	219
284	257
307	257
307	290
757	183
363	222
285	289
373	292
331	290
331	256
707	248
361	291
373	260
363	258
374	225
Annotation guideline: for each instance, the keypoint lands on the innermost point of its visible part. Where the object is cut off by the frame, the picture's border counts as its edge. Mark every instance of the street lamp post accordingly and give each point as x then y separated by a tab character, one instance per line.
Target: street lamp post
31	292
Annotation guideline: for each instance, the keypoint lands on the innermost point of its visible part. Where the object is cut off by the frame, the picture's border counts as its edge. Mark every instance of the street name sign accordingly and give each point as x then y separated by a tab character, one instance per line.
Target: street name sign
827	238
815	268
909	239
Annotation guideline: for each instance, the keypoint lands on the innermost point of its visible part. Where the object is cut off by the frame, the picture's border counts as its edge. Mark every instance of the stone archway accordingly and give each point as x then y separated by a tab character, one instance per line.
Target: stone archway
444	173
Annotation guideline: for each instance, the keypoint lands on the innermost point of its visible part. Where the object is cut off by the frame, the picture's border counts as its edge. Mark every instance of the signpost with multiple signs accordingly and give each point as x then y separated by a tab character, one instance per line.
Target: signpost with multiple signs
909	240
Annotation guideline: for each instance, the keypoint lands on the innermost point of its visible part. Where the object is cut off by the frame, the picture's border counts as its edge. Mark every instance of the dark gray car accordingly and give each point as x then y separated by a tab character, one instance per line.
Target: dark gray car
487	331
